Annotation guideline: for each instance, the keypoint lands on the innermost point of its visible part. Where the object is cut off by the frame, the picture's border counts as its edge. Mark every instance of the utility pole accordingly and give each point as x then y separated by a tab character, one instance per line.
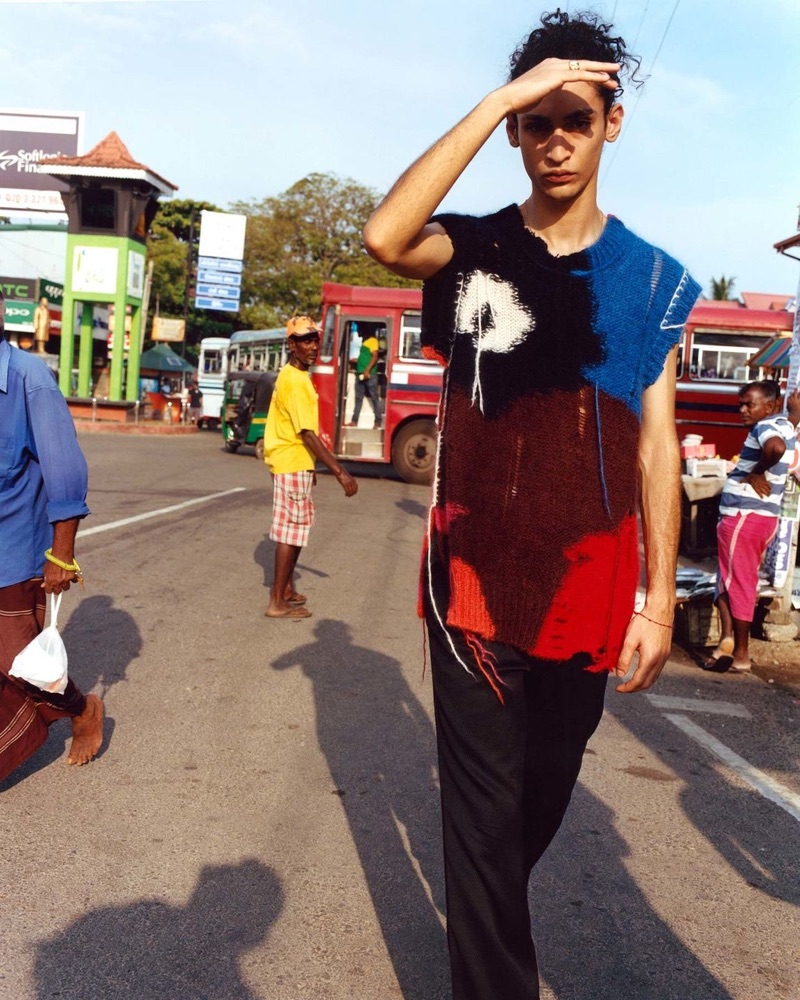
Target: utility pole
778	624
189	281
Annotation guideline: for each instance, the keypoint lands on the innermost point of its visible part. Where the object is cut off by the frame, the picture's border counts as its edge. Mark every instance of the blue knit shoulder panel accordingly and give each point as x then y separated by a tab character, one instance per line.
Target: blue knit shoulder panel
642	299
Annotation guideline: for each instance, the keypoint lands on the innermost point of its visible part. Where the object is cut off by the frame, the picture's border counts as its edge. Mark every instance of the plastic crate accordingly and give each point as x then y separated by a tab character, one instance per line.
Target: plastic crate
697	622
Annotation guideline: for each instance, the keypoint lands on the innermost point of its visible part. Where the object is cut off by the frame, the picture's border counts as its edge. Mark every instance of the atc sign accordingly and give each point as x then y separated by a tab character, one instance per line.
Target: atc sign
28	138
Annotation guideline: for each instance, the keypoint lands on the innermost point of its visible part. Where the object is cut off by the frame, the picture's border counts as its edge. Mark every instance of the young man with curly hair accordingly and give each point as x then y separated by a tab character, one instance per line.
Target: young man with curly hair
558	330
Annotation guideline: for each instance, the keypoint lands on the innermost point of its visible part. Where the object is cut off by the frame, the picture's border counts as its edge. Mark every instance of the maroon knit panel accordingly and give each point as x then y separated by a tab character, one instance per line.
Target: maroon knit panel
517	491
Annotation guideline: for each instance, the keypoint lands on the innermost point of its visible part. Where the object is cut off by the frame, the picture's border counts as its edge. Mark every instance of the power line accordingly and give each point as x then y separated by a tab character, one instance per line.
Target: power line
639	94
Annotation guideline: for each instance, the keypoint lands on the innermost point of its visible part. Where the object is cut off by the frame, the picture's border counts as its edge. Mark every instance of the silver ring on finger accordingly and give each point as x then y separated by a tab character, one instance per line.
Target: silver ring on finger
574	64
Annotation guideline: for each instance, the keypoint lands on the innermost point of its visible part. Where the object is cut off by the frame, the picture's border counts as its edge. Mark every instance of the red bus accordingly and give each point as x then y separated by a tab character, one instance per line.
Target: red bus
713	364
409	384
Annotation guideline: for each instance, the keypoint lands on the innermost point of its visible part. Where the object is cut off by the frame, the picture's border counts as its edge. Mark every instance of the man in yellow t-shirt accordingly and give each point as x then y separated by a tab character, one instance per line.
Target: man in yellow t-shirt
291	450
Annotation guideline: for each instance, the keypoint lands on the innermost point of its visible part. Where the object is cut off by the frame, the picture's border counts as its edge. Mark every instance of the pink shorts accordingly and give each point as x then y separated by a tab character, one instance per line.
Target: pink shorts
742	540
292	507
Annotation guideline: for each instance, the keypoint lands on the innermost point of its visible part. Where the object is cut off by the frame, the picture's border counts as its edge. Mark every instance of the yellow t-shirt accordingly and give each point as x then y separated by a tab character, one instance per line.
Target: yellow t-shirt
294	408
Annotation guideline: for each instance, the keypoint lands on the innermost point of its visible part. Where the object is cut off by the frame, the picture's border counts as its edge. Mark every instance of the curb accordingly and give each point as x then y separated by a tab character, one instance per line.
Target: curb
109	427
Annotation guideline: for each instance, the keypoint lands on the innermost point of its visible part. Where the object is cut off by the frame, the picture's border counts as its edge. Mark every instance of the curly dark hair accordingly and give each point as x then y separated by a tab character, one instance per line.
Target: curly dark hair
581	35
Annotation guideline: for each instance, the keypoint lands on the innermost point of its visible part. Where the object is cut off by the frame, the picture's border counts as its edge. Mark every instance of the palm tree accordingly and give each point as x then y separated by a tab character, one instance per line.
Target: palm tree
721	288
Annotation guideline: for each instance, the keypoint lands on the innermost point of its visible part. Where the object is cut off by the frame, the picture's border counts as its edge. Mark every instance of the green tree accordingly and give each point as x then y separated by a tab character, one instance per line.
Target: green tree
309	234
721	288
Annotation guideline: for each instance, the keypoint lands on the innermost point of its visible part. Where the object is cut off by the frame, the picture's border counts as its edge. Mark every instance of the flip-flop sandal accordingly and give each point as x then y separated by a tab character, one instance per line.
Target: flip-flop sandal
718	664
293	614
297	599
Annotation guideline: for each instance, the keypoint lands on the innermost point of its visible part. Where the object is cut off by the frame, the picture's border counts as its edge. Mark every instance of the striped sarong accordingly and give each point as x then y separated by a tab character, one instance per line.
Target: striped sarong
25	711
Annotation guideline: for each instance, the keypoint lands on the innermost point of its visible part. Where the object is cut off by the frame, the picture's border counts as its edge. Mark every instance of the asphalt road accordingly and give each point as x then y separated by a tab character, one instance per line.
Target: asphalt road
262	821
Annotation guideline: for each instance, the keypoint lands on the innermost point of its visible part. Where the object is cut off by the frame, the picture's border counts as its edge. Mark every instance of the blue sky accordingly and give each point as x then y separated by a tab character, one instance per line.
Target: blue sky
237	99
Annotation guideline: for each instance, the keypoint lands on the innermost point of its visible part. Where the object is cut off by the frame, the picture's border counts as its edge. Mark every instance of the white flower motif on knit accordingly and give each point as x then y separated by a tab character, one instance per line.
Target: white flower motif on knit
490	311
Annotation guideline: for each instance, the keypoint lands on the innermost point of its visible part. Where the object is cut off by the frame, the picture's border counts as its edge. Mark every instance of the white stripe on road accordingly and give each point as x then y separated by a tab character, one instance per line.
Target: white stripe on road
666	701
762	783
158	513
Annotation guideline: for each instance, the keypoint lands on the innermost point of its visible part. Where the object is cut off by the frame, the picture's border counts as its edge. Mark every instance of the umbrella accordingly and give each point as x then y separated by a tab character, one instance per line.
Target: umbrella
162	358
774	354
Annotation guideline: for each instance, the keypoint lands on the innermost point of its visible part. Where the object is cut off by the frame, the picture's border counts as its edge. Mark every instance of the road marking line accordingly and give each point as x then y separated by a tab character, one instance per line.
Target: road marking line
699	705
763	783
158	513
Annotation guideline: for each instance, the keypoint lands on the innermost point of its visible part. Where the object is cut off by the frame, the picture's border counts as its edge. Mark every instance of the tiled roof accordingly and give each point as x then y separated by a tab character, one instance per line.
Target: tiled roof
763	300
109	158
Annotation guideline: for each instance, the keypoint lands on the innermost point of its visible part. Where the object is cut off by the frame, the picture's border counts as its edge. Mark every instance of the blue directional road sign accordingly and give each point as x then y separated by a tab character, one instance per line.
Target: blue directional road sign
217	291
220	264
223	305
220	278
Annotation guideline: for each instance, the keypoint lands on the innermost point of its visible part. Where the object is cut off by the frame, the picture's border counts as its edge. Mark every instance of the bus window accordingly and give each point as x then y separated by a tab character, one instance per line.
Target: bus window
724	357
410	333
212	362
326	349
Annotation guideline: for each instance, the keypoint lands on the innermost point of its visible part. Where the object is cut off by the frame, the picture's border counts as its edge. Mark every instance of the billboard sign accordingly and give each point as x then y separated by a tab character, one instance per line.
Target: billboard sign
28	138
222	235
18	288
164	329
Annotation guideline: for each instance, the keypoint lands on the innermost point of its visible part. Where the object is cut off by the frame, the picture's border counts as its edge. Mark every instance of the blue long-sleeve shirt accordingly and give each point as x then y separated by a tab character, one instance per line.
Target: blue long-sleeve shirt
43	475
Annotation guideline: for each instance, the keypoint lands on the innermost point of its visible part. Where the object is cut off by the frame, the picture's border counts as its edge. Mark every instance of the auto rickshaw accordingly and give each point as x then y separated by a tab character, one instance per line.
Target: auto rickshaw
244	409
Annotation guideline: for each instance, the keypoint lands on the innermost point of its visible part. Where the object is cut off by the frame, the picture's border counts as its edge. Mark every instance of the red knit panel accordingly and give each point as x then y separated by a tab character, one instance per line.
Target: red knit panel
467	601
594	604
433	355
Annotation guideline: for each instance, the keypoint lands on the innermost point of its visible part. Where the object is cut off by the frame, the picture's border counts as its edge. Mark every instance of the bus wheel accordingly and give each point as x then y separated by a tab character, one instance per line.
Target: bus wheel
212	424
231	445
414	451
260	449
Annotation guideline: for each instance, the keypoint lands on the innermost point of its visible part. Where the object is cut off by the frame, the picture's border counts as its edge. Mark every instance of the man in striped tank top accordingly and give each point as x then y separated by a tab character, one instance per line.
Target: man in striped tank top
749	509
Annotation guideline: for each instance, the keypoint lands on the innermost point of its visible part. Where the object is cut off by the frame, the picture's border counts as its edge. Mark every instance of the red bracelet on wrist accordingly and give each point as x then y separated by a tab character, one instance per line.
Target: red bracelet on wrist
652	620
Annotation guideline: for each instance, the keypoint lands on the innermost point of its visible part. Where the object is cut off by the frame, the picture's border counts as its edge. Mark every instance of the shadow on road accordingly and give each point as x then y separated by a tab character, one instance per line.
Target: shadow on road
150	950
597	937
733	818
413	507
264	556
380	748
102	641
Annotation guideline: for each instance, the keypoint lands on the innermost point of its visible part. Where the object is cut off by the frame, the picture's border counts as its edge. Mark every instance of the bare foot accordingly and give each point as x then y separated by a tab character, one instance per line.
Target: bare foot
745	667
87	732
287	611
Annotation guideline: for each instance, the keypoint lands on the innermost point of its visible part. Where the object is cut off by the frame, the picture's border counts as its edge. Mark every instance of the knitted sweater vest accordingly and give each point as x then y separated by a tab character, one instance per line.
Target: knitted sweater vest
536	487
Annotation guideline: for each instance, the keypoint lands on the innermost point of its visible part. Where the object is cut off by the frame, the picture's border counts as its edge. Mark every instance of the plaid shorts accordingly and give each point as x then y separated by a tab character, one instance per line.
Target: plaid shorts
292	507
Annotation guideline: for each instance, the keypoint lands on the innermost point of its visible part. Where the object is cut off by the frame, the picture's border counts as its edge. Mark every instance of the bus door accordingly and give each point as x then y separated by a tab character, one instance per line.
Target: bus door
361	439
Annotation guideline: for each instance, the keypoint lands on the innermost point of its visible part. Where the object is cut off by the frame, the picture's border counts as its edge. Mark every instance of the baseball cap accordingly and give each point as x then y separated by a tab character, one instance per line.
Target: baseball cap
301	327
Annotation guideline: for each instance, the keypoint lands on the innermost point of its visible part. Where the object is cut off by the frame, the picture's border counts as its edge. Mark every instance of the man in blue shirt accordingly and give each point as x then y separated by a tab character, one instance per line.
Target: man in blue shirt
43	480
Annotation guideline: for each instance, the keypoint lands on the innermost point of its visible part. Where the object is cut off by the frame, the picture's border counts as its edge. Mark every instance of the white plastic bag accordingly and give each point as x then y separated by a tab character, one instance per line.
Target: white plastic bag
43	662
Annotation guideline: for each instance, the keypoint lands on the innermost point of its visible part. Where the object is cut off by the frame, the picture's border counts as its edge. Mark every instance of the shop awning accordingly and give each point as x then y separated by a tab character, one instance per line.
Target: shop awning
162	358
775	354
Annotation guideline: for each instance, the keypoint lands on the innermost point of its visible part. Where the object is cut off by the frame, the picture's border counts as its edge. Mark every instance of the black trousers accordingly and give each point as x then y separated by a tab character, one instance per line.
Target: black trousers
507	771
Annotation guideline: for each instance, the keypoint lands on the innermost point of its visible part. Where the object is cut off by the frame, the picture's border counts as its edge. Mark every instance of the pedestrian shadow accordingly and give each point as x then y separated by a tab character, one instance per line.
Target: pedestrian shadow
102	641
730	816
413	507
380	748
597	937
150	950
264	556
